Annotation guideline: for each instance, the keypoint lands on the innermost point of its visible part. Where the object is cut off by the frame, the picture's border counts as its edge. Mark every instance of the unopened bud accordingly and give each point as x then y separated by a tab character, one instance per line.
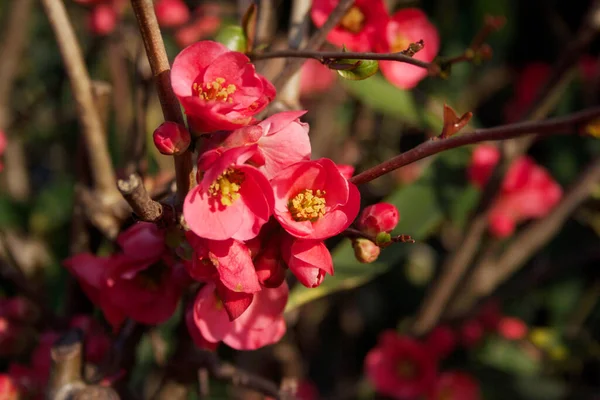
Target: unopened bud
102	20
171	13
355	70
380	217
269	269
365	250
233	37
171	138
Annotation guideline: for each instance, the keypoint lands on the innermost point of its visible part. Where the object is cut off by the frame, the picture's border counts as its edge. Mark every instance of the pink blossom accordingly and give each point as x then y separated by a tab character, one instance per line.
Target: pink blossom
512	328
359	29
8	388
218	88
232	200
200	27
102	19
315	77
409	25
346	170
313	200
400	367
171	13
379	217
260	325
309	260
456	385
483	160
3	144
171	138
269	264
281	140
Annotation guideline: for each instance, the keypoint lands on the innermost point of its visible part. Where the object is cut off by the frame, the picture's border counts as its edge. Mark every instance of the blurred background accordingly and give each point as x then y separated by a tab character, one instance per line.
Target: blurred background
552	295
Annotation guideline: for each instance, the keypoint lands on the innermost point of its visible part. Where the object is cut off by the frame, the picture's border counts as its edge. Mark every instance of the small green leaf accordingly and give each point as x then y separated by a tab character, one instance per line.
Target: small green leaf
509	357
356	70
233	37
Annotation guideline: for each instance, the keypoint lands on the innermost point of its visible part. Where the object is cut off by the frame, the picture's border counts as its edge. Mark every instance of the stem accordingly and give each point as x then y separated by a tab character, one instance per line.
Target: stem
100	162
66	369
316	40
338	55
434	146
159	63
135	193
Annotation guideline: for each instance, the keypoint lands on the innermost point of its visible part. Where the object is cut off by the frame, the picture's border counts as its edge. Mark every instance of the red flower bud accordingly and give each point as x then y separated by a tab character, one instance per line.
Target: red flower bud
511	328
365	250
102	20
269	267
441	341
380	217
471	333
171	138
171	13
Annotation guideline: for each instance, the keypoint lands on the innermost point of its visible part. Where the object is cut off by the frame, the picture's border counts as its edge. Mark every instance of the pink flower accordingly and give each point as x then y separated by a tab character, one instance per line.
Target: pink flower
3	143
260	325
8	388
232	200
171	13
346	170
511	328
202	26
529	81
315	78
309	260
409	25
528	191
281	140
102	20
483	160
455	385
359	29
269	265
218	88
441	341
380	217
171	138
97	343
313	200
400	367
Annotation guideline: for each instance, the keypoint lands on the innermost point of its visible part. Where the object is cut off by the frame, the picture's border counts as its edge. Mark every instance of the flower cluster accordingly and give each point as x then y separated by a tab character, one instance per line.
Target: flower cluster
376	222
405	368
367	26
528	191
260	205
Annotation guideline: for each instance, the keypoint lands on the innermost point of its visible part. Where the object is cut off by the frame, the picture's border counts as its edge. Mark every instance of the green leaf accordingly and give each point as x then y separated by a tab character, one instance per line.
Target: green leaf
233	37
358	69
381	96
422	209
507	356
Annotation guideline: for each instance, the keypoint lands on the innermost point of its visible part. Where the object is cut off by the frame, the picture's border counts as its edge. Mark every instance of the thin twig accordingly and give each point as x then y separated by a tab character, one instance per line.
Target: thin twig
434	146
323	56
135	193
157	56
316	40
100	162
66	369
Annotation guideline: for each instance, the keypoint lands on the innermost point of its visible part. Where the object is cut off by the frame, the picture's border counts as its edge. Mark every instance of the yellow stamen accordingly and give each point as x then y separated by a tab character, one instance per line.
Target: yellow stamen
227	186
307	206
216	90
353	20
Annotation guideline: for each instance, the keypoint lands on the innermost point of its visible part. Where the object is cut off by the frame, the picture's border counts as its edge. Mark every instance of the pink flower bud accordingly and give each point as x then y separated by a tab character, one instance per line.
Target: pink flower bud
269	267
380	217
365	251
441	340
171	13
471	333
102	20
512	328
484	159
171	138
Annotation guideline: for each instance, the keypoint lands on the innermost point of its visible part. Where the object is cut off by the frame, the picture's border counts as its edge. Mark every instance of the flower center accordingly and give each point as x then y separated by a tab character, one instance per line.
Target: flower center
353	20
400	43
215	90
227	186
406	369
307	206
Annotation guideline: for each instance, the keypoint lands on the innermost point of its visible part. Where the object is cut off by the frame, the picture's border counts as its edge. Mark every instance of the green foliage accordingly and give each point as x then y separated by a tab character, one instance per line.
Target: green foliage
509	357
233	37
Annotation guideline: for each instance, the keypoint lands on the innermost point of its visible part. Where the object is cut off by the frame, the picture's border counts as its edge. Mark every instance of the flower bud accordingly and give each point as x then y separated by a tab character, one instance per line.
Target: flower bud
380	217
233	37
102	20
269	268
511	328
171	13
441	340
365	250
355	70
171	138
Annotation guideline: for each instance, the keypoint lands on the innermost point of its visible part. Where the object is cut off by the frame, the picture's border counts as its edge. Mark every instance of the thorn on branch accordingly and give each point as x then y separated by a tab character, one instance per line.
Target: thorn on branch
414	48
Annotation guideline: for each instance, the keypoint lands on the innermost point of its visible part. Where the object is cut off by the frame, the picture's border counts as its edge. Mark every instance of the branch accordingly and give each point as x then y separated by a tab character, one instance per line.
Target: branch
100	162
316	40
159	63
66	370
135	193
355	233
510	131
324	56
